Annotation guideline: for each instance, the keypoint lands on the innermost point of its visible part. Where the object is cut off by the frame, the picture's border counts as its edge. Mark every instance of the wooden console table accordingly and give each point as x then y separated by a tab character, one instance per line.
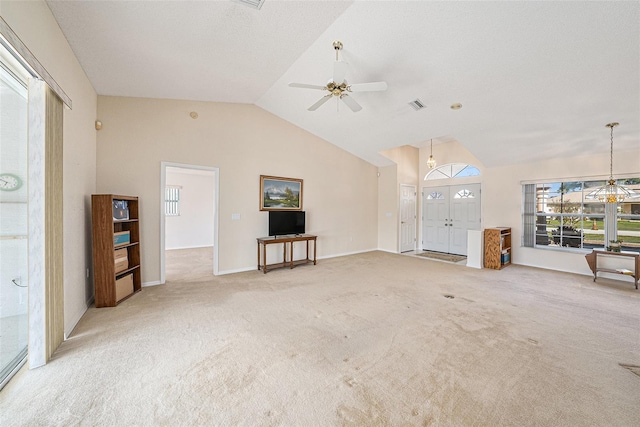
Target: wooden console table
265	241
592	260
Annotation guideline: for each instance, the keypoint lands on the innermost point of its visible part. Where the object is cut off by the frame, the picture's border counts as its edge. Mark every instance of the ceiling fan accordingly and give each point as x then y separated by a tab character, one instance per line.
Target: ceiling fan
339	87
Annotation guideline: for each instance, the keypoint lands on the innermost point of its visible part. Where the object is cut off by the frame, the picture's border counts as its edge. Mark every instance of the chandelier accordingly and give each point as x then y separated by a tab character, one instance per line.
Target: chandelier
431	163
612	192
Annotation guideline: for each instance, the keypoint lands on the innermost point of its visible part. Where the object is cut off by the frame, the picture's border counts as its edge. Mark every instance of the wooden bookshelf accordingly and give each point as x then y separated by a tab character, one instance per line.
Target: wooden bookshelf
497	247
113	286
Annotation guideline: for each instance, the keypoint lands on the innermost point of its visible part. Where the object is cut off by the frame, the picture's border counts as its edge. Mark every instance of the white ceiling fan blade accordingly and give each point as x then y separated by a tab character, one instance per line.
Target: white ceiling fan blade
367	87
307	86
339	71
322	100
351	103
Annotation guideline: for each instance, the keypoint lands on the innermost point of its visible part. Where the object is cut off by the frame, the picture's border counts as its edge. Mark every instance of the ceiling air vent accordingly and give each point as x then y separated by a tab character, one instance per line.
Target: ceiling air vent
255	4
417	104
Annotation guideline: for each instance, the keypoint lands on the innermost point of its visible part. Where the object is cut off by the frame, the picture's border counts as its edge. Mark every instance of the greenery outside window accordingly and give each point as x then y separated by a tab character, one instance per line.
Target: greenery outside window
558	215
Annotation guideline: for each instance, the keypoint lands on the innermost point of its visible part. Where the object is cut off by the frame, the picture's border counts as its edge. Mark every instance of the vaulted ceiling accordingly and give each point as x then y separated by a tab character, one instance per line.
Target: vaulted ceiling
535	79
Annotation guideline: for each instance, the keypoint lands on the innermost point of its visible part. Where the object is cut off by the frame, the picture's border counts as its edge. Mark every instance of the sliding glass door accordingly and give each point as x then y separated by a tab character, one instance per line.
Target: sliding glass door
13	218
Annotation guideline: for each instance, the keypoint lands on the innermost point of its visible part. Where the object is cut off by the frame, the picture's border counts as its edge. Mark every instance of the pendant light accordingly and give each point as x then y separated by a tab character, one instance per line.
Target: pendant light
611	192
431	163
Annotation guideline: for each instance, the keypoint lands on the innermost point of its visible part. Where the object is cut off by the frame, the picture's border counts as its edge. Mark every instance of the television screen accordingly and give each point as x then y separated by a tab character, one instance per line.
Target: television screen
286	222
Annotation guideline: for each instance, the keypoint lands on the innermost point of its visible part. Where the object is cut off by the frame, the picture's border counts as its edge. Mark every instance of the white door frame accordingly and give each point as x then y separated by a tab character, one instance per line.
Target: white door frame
216	209
400	218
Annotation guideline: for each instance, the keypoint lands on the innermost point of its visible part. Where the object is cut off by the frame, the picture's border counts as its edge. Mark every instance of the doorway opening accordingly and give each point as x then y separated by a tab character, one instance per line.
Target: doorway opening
189	222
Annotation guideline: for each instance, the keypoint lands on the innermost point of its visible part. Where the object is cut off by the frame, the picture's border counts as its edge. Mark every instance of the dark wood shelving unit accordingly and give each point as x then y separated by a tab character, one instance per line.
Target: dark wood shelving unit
112	287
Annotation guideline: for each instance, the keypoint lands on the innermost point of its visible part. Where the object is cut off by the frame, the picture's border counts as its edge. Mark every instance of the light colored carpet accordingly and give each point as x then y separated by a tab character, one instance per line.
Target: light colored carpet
363	340
189	265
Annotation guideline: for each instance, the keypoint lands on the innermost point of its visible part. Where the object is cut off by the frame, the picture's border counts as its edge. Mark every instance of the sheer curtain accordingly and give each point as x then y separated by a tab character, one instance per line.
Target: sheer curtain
46	292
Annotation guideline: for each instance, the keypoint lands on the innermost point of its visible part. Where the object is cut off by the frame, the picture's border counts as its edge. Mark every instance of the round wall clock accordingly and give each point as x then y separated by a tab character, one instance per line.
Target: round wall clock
9	182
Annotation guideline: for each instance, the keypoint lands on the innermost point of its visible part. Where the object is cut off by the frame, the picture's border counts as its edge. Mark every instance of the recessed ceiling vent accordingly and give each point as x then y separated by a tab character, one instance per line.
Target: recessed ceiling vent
417	104
255	4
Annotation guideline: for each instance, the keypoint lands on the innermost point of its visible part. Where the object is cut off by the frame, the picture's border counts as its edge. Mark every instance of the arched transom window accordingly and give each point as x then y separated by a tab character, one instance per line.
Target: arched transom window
452	170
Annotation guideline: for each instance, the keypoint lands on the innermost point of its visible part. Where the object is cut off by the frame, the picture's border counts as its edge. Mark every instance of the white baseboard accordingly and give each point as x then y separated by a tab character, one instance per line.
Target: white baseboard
154	283
348	253
254	268
386	250
188	247
238	270
67	333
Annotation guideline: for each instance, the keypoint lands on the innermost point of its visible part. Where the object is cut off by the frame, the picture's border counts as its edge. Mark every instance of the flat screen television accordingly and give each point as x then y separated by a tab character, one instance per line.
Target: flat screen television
286	222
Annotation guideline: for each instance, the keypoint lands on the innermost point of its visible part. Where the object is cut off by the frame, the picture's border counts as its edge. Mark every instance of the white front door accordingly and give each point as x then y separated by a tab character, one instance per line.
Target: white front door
464	213
449	213
435	227
407	218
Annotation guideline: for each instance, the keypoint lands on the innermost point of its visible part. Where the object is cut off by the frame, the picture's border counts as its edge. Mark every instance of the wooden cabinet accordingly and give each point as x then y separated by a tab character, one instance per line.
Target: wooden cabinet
497	247
116	248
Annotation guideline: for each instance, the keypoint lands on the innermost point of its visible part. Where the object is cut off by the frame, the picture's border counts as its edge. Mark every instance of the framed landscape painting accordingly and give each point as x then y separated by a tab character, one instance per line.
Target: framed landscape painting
280	194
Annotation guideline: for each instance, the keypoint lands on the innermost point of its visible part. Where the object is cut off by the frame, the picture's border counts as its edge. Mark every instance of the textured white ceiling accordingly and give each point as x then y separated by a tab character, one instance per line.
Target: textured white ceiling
536	79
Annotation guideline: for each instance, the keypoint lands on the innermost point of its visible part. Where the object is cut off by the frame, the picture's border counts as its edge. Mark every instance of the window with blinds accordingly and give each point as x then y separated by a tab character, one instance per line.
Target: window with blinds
560	215
172	201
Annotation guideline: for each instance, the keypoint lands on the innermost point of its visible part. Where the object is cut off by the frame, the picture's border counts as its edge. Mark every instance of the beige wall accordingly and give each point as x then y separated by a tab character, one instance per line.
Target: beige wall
405	171
33	23
244	142
388	208
406	158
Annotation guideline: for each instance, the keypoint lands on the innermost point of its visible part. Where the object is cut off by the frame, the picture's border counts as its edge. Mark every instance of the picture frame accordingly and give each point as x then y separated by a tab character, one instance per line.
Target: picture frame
280	194
120	210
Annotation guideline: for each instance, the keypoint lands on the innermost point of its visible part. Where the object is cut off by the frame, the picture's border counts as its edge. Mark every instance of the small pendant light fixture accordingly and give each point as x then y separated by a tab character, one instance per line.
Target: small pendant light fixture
611	192
431	163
